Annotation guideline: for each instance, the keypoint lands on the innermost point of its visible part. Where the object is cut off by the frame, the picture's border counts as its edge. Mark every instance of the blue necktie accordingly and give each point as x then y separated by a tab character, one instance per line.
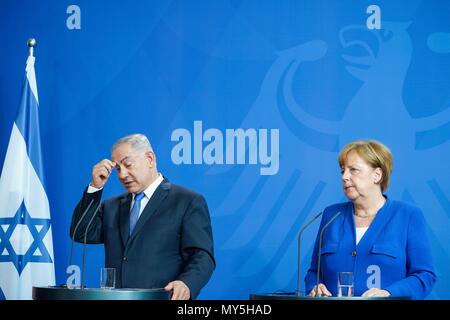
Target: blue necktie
134	214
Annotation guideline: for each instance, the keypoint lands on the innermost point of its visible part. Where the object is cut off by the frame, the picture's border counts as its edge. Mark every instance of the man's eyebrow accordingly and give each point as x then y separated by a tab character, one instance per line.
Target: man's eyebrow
123	159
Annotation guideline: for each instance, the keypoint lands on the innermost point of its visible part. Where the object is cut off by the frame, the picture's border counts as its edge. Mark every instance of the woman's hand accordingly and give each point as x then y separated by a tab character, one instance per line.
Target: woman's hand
374	292
320	291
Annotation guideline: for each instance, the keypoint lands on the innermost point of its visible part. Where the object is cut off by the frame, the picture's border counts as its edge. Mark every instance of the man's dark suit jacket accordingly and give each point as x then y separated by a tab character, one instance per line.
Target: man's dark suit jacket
172	239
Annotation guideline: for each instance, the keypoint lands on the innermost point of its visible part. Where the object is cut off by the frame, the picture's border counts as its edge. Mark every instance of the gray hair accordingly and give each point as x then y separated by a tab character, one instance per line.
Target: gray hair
138	141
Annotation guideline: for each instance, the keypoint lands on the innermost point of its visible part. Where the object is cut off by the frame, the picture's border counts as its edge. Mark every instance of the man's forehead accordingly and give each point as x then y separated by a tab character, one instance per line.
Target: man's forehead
122	152
121	160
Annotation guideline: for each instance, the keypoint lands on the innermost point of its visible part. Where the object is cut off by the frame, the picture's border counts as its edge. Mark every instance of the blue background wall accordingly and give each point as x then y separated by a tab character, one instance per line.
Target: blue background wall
311	69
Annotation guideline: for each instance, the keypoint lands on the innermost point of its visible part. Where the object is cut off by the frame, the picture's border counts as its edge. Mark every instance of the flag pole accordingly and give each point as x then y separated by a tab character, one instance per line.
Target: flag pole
31	43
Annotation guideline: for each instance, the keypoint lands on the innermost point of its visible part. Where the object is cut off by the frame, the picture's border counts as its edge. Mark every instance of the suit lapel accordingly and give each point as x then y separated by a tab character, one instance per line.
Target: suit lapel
152	206
124	217
375	230
349	223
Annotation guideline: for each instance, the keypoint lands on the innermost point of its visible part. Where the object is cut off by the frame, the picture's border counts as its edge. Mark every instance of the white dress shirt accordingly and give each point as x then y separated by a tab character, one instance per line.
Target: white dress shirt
360	232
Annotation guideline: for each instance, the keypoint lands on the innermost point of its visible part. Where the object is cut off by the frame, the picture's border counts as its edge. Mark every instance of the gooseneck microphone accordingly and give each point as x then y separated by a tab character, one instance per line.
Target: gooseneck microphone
299	247
84	243
76	228
319	251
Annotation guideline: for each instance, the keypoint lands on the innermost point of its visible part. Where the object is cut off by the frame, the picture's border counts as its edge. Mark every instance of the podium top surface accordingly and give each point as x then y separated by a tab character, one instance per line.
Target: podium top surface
293	296
60	293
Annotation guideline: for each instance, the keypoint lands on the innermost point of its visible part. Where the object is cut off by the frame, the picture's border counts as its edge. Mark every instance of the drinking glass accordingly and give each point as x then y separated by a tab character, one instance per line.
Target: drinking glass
107	278
345	284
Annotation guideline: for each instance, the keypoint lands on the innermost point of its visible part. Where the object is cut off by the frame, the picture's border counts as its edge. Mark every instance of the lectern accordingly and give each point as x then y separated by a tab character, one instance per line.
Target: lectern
59	293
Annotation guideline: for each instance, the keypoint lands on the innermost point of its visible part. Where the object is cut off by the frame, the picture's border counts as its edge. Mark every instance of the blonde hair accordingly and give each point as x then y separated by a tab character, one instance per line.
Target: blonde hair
375	154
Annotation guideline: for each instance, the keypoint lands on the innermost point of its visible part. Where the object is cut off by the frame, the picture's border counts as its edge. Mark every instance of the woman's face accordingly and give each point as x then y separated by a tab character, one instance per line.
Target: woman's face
359	180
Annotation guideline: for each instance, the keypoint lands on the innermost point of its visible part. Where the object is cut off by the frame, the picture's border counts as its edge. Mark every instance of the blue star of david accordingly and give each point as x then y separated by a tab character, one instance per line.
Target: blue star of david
20	261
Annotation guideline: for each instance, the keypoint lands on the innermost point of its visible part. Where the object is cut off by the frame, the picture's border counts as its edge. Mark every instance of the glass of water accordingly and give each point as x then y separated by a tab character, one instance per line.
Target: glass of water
107	278
345	284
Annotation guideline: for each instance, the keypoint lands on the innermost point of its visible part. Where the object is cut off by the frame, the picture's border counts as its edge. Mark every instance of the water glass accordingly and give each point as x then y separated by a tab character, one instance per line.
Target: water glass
107	278
345	284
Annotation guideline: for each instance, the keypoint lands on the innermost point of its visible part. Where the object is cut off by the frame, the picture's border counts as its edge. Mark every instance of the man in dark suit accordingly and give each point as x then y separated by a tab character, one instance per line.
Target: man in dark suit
156	235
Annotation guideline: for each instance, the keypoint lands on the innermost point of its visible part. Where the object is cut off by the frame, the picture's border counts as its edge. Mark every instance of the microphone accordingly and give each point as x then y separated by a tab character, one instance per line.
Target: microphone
319	251
76	228
84	243
299	247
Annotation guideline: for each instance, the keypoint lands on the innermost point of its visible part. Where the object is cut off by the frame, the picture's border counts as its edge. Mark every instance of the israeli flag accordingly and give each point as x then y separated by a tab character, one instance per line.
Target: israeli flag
26	244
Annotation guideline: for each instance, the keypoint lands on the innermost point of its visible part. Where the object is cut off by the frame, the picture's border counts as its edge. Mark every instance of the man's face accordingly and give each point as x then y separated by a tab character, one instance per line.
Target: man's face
134	169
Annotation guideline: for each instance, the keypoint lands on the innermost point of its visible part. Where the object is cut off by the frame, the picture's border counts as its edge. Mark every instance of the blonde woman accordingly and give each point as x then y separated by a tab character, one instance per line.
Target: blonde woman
382	241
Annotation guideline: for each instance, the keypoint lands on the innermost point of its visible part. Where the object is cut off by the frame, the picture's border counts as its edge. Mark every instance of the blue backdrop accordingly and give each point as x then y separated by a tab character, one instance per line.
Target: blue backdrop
298	78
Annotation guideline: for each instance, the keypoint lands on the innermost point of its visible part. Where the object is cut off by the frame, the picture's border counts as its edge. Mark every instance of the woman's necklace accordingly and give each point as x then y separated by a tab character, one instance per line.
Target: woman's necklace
365	217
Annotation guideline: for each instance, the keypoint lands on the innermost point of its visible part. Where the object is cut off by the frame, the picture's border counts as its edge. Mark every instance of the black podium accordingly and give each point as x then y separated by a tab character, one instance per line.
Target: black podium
58	293
292	296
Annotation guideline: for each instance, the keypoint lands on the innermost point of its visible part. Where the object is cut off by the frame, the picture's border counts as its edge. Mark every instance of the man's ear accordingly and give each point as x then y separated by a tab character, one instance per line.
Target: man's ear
151	158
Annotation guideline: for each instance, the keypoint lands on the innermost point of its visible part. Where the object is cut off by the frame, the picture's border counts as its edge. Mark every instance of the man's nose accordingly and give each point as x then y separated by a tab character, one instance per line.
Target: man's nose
122	174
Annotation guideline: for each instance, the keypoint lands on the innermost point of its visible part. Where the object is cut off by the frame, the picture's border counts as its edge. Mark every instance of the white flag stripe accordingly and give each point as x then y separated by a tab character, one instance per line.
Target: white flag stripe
19	181
34	274
31	76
